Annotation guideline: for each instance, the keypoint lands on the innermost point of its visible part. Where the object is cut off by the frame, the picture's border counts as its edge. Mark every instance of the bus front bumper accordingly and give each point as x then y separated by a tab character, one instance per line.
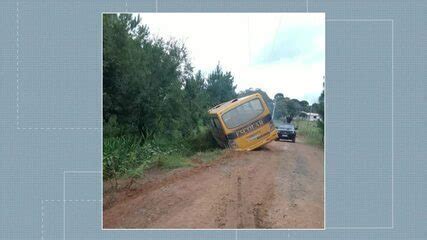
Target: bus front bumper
270	137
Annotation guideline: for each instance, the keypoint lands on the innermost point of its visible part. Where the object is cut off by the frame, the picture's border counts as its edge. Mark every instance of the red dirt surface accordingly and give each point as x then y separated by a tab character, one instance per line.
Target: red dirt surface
278	186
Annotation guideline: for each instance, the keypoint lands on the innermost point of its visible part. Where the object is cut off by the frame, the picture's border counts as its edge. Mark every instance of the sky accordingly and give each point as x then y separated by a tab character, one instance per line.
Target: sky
277	52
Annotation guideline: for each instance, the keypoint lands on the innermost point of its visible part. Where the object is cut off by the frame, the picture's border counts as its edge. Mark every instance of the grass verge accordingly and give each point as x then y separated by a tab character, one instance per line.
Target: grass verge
129	156
310	131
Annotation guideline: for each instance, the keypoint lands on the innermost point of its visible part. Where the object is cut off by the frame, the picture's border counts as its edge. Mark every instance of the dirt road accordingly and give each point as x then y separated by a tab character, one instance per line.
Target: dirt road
278	186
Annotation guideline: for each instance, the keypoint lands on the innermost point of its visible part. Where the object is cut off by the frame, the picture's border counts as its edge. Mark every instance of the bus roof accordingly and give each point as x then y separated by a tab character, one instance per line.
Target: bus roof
227	105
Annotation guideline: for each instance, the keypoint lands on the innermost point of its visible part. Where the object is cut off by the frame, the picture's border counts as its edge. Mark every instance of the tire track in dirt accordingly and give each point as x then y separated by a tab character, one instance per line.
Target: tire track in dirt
239	202
299	202
254	189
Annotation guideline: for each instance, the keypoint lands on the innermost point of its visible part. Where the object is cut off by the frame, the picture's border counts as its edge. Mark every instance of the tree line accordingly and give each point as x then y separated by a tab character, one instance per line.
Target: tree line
287	108
150	86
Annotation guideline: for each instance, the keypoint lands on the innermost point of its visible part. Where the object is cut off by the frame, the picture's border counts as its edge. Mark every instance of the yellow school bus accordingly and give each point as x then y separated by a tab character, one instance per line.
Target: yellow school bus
242	123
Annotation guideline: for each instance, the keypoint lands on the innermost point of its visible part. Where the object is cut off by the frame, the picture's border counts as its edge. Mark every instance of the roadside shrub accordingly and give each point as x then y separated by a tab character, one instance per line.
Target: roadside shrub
130	156
126	153
111	128
321	126
310	132
203	141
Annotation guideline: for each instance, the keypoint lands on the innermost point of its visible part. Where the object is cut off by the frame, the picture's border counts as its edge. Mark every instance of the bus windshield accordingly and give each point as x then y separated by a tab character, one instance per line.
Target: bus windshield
243	113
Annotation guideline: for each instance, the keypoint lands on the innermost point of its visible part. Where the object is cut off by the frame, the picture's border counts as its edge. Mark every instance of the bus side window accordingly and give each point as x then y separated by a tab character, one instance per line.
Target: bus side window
217	123
213	124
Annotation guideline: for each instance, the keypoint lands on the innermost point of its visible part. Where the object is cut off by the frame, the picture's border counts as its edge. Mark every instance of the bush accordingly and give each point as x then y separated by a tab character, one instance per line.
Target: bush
125	153
129	156
203	141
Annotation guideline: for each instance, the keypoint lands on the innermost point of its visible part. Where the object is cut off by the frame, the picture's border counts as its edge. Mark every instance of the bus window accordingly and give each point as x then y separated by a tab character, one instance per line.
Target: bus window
218	132
216	124
243	114
212	123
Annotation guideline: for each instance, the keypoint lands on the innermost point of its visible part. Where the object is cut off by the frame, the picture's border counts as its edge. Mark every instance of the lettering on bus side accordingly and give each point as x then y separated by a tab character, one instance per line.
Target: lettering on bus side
249	128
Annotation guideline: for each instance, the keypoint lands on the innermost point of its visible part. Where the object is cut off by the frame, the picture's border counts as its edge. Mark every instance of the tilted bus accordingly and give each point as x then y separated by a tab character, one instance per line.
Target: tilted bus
242	123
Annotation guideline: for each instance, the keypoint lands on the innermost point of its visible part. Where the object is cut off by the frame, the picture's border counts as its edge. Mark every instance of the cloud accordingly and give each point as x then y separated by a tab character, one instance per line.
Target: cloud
291	43
293	79
277	52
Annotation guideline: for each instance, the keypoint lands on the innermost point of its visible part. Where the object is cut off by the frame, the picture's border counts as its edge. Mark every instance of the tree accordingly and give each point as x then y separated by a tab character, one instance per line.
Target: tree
294	108
280	108
150	87
305	106
314	108
279	96
220	86
264	95
143	77
196	99
321	109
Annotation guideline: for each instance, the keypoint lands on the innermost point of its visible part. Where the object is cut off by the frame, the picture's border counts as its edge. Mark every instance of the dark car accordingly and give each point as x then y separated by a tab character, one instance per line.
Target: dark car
287	131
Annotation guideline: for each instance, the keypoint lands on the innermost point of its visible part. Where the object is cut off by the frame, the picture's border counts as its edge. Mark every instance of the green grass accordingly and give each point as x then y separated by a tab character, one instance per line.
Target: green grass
129	156
310	131
173	161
